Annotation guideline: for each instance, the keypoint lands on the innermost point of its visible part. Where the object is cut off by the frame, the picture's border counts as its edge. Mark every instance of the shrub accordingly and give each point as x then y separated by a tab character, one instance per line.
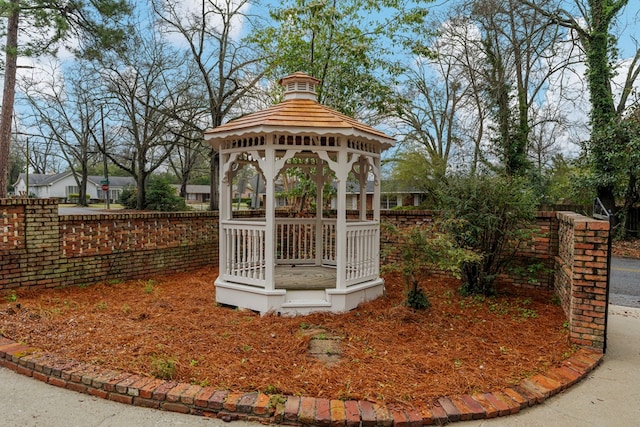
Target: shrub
164	367
491	216
423	249
73	197
160	196
128	197
163	197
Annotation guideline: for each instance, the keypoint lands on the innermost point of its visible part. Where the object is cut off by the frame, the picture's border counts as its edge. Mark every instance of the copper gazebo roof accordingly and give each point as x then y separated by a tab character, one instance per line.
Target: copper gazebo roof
300	112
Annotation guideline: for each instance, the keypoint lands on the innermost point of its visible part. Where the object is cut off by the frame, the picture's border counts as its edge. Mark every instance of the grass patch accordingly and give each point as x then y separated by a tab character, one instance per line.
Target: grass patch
164	367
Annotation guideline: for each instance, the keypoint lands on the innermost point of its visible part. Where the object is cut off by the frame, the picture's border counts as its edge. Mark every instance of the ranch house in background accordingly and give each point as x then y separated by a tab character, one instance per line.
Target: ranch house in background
195	193
389	198
63	186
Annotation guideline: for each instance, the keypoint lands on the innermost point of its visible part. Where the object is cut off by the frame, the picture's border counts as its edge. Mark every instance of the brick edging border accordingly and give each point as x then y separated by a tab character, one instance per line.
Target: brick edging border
149	392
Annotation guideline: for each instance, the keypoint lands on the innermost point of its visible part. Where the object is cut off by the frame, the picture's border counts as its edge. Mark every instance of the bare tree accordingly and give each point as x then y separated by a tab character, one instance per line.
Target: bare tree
229	65
465	47
66	112
429	113
34	152
141	88
190	157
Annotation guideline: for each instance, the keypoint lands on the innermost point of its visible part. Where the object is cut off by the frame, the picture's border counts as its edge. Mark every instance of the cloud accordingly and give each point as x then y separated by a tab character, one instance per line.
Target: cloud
189	14
39	76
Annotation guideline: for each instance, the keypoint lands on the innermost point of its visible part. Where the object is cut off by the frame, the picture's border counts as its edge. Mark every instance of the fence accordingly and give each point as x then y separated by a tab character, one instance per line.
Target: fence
40	249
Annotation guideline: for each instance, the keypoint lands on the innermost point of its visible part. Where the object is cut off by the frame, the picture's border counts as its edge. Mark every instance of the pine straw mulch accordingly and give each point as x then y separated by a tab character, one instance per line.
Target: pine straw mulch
390	354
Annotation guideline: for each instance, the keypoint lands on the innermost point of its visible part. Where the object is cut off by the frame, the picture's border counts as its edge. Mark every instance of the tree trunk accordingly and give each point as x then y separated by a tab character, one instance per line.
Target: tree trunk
607	197
83	185
630	199
141	193
603	112
215	180
8	95
185	173
183	187
141	182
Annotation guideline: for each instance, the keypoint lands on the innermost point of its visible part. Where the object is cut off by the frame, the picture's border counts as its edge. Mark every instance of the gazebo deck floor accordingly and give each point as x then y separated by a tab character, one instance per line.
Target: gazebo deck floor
305	277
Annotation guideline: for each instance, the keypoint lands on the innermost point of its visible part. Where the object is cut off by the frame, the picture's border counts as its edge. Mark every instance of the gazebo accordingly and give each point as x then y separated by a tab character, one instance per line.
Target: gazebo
327	260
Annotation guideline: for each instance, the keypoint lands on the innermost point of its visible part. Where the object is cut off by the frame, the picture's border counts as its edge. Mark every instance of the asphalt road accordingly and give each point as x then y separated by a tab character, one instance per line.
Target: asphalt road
625	282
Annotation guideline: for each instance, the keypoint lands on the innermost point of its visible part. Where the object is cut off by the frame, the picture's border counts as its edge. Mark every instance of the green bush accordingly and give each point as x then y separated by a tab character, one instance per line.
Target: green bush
74	197
128	197
243	200
164	367
423	249
161	196
491	216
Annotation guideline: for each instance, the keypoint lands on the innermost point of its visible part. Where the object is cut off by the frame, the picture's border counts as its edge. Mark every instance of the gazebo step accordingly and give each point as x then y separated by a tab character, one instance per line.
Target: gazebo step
294	296
305	286
306	304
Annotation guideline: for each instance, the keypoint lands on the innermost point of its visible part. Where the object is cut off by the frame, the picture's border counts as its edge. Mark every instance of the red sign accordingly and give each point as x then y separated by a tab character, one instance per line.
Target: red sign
105	187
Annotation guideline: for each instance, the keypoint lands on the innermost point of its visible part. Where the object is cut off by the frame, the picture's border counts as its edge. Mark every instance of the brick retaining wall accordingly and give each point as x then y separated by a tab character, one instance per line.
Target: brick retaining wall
532	267
149	392
41	249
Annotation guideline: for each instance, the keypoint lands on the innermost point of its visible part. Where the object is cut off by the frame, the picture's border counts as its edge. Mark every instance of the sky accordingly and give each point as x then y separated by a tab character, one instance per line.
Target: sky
575	105
627	29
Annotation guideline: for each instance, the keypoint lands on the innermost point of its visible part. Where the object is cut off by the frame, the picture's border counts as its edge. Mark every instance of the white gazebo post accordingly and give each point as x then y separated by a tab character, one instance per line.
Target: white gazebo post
376	190
270	219
299	265
363	167
319	180
341	221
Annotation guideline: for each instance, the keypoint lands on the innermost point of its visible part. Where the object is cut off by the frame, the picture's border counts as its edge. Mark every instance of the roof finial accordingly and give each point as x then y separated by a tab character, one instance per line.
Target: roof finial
300	86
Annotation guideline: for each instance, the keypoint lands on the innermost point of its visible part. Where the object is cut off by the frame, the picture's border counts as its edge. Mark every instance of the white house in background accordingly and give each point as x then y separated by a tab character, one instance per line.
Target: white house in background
63	186
388	199
195	193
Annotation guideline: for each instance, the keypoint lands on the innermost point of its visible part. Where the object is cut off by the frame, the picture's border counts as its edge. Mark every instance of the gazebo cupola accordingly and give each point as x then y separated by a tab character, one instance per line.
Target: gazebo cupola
293	262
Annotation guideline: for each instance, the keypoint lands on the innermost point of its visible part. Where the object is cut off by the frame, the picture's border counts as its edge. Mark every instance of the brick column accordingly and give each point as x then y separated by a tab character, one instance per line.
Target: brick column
581	276
30	247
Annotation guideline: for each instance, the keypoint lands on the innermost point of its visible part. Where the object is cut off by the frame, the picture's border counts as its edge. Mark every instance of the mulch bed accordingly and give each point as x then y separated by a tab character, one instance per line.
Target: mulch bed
171	326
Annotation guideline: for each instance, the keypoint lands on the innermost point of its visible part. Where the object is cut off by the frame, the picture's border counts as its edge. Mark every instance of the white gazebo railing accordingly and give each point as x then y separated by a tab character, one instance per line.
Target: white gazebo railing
363	252
297	243
244	252
329	242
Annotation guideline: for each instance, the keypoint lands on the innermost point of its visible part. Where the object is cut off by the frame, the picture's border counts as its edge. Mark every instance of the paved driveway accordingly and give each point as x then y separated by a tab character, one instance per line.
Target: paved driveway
625	282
